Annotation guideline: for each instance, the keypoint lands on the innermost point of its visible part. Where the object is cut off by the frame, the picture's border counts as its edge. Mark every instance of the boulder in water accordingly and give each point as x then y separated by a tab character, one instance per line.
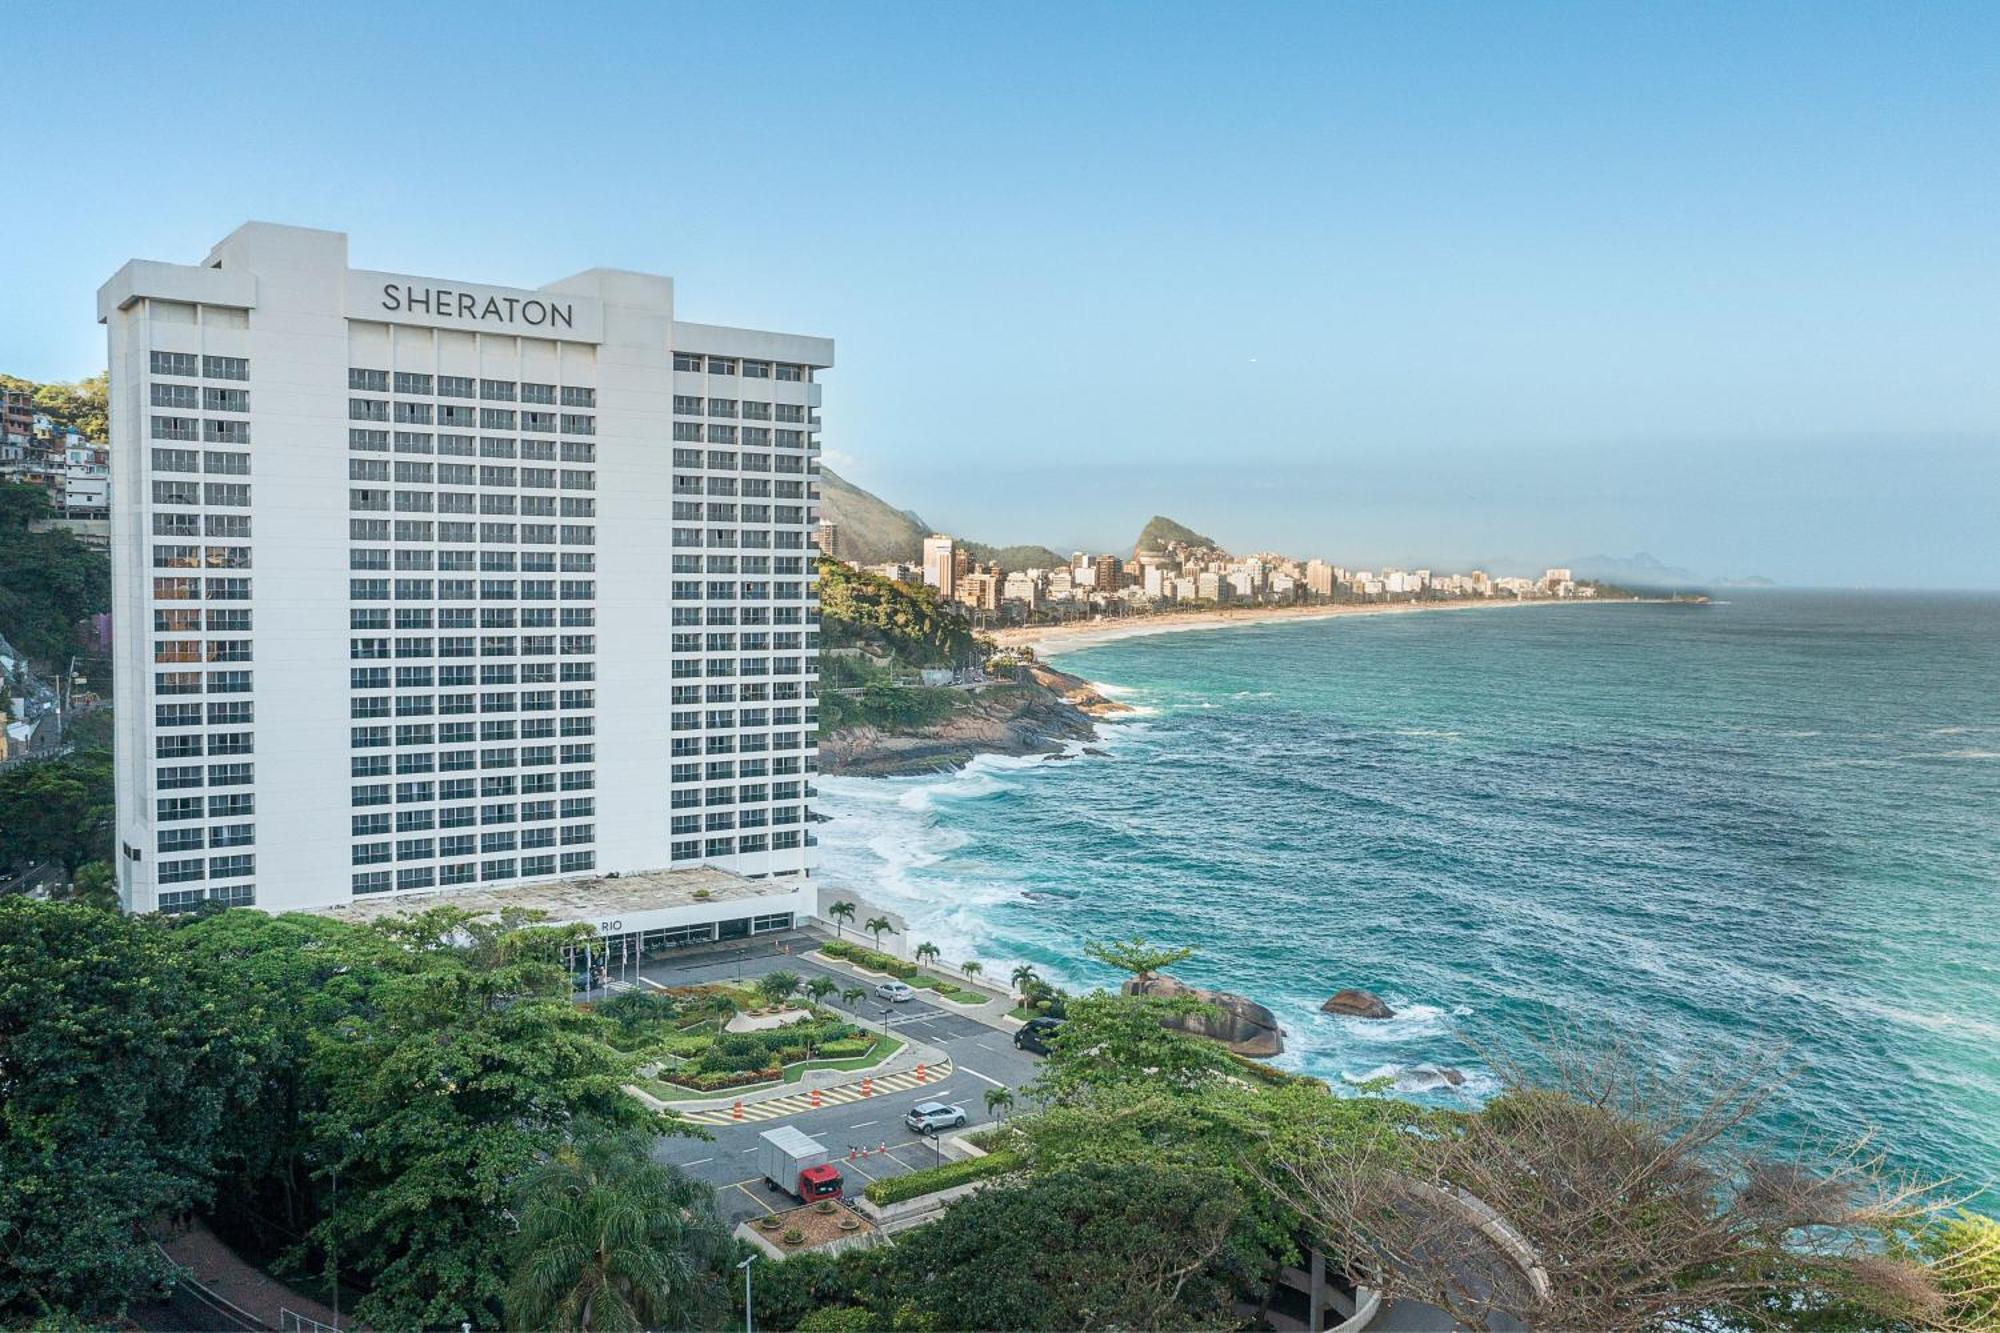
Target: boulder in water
1353	1003
1244	1026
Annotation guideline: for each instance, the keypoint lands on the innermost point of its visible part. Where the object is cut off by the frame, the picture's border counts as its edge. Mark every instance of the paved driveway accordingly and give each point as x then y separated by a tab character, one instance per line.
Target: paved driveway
982	1057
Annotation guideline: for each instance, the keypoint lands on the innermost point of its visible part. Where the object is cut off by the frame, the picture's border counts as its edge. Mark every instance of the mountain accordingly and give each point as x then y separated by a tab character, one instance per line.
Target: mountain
874	532
869	530
1634	571
1160	530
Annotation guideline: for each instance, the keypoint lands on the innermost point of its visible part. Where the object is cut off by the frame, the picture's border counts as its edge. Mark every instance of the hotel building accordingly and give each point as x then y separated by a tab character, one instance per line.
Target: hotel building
424	585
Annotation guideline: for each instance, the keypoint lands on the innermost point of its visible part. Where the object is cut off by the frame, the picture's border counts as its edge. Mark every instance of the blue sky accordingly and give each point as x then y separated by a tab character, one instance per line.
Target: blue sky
1440	283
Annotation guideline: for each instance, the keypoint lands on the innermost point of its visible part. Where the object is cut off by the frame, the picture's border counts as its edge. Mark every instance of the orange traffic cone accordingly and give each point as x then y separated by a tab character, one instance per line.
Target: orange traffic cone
868	1086
815	1098
920	1074
736	1112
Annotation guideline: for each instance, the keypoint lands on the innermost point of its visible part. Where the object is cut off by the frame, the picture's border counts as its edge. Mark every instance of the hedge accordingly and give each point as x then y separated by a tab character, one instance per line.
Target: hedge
943	1177
862	956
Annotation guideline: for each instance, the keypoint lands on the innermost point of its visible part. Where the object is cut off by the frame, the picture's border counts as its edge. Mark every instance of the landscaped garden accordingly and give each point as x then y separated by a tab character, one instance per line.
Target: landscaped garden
721	1038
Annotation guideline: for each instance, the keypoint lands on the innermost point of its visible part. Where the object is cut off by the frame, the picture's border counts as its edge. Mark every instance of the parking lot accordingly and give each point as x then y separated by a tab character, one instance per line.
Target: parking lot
982	1057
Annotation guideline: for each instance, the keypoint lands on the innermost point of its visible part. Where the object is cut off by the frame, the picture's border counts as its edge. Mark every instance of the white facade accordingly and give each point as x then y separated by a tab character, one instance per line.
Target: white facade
423	584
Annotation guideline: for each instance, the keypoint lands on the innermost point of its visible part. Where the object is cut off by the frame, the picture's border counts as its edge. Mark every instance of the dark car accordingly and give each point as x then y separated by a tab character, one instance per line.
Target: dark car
1035	1033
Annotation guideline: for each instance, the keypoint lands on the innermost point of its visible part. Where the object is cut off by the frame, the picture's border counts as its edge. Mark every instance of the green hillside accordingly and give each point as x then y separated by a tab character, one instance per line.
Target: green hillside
1017	557
871	532
859	609
1160	530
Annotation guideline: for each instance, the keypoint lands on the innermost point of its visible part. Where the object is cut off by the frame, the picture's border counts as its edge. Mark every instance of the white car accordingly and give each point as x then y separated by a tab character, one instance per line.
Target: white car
893	991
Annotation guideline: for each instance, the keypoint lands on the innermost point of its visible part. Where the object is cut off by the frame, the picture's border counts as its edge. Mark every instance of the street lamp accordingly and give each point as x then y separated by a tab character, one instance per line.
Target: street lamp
885	1021
745	1266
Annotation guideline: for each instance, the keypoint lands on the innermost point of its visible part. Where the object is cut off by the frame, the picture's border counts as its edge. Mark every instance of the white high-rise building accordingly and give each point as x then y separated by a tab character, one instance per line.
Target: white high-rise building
423	584
941	564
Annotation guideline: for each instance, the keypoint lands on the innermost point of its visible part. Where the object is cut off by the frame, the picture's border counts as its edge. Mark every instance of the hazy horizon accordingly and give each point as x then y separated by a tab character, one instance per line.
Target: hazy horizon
1428	284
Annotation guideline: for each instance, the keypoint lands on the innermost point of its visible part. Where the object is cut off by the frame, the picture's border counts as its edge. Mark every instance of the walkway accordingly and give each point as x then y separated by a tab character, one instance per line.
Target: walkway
795	1103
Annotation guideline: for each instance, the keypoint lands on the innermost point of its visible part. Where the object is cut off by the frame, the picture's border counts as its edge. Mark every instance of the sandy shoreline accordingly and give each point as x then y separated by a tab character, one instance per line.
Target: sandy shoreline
1050	639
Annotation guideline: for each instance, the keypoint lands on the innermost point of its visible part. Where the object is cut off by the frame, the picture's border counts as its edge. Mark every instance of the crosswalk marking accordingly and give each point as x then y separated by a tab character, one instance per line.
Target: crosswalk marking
795	1103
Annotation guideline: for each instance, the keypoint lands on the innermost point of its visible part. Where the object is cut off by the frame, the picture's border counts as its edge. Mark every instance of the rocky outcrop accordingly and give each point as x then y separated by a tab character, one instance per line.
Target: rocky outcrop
1040	714
1357	1004
1244	1026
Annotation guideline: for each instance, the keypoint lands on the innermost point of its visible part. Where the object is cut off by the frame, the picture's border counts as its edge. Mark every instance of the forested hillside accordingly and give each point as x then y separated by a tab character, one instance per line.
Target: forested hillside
48	580
80	406
914	624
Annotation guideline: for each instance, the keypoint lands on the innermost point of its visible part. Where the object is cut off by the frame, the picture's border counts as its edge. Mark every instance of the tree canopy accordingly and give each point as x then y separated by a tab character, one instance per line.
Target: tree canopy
48	580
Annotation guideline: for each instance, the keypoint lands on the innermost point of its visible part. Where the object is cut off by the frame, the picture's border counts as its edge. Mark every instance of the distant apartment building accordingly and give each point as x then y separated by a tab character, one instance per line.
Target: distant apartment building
423	585
1108	573
828	539
941	563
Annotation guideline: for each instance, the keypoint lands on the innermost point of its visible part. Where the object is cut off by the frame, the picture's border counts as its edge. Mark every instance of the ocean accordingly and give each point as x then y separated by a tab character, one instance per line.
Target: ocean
1770	824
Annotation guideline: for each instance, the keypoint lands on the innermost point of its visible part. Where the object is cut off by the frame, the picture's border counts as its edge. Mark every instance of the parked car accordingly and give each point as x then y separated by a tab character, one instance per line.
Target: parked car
1035	1033
930	1117
893	991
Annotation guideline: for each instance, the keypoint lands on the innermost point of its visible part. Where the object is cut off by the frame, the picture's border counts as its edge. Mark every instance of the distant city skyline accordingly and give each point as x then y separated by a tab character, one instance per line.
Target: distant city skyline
1432	283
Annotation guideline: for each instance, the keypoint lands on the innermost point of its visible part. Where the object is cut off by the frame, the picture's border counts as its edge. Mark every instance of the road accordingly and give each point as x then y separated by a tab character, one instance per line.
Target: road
982	1057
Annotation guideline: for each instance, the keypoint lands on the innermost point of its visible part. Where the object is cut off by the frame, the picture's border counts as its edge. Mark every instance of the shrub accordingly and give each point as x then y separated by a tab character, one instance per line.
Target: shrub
873	960
943	1177
794	1236
847	1048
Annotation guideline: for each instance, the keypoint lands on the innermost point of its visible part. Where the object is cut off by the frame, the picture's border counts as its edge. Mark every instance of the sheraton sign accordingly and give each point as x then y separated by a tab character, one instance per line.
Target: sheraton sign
397	299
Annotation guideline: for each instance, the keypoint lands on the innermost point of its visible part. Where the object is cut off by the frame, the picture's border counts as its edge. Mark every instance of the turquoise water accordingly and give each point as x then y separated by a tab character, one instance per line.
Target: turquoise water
1771	823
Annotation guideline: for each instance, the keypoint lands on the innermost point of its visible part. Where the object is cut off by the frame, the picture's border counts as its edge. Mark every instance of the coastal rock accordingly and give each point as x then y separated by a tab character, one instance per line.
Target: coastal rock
1040	714
1243	1025
1354	1003
1095	753
1435	1074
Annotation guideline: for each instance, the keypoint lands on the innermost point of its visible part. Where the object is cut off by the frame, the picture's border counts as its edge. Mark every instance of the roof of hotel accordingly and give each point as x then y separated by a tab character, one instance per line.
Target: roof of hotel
592	899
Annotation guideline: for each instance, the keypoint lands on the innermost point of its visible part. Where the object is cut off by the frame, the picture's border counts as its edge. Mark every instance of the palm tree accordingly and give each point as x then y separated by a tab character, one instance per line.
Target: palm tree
612	1240
1024	976
925	952
854	995
778	985
971	968
821	987
876	925
1000	1100
840	912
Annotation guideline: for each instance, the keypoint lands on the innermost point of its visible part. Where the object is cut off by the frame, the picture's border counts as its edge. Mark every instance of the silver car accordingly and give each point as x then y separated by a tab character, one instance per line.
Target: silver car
930	1117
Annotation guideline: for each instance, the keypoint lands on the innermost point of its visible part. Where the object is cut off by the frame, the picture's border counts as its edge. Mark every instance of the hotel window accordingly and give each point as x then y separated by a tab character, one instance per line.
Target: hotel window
225	367
454	386
176	395
173	428
791	374
367	381
756	370
412	382
226	432
173	363
578	396
497	391
225	400
227	465
721	365
538	393
682	361
369	409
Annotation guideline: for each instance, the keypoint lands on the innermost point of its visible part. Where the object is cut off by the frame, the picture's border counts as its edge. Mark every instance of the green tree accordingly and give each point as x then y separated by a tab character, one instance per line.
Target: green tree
612	1240
877	926
839	912
468	1069
115	1084
1023	977
1141	1249
925	953
1136	955
95	885
48	580
777	987
853	995
972	967
1963	1253
57	810
999	1101
821	987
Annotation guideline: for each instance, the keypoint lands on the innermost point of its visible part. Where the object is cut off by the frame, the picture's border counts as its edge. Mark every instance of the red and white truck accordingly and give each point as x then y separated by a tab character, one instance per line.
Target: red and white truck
797	1164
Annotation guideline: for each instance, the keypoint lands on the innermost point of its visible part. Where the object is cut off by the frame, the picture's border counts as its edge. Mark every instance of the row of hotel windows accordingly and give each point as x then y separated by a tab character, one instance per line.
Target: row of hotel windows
755	793
213	867
461	446
412	473
486	418
368	500
418	821
749	409
464	386
462	590
174	840
425	877
722	539
722	511
205	397
223	895
208	429
470	844
198	525
490	673
751	437
792	565
719	460
749	370
188	365
749	488
714	848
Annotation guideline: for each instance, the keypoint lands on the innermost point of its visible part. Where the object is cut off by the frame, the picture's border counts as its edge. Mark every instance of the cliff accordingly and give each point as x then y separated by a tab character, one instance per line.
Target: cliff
1038	714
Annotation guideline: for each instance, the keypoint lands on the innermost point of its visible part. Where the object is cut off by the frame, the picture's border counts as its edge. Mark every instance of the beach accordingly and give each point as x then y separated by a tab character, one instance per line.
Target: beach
1075	634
